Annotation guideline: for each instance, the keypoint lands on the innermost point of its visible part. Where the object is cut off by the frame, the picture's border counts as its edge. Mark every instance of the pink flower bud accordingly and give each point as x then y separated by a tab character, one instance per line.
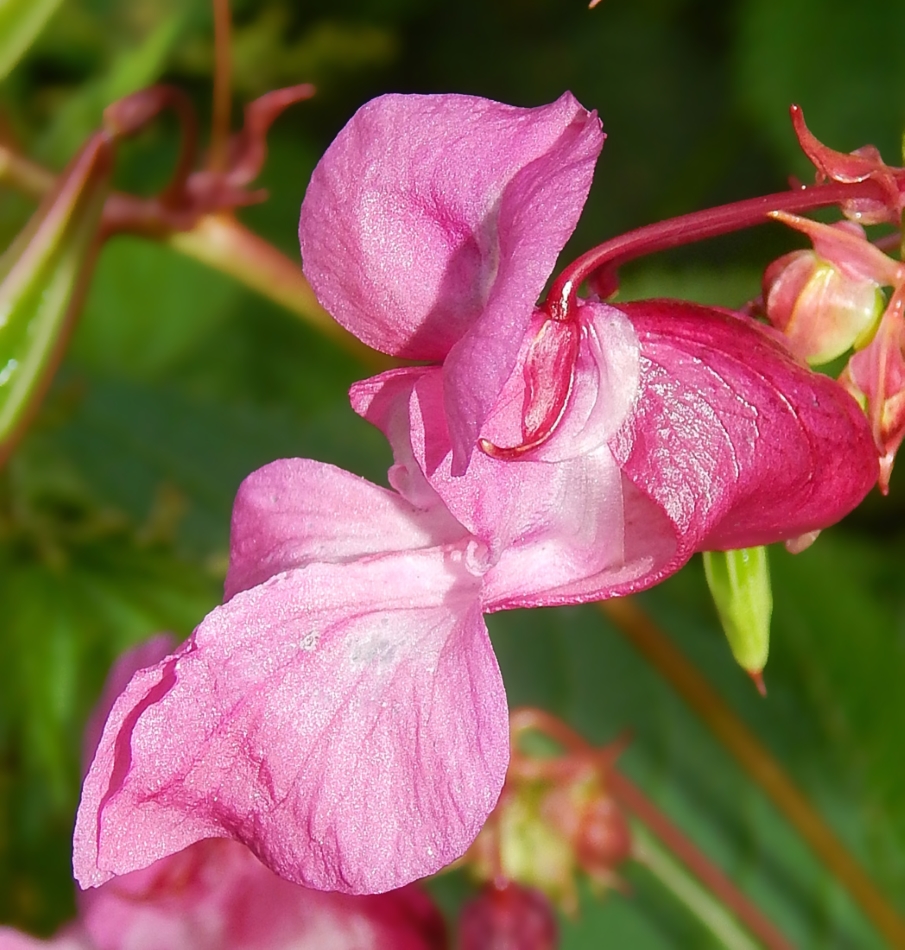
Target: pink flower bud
823	307
508	918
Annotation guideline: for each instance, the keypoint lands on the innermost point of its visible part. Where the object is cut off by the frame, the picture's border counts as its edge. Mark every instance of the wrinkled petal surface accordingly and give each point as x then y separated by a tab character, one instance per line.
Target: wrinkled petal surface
293	512
432	223
737	443
347	722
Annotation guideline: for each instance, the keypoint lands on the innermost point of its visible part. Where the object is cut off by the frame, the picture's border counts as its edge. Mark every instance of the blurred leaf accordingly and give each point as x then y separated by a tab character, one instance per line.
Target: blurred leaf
829	57
20	22
43	274
723	287
147	308
131	70
77	586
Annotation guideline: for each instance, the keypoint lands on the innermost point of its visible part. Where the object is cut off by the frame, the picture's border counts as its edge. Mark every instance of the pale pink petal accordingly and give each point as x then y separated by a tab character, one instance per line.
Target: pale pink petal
347	722
296	511
602	386
432	223
738	443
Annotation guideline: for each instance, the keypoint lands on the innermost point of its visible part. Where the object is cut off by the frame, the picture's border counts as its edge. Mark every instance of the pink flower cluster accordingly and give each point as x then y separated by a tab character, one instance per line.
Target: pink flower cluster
342	713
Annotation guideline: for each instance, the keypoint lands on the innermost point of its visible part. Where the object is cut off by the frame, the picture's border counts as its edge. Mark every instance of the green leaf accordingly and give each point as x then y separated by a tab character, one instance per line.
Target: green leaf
131	70
43	273
20	23
147	308
830	59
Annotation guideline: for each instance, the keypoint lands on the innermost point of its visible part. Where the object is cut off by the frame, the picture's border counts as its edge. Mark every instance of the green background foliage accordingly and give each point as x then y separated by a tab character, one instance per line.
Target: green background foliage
114	512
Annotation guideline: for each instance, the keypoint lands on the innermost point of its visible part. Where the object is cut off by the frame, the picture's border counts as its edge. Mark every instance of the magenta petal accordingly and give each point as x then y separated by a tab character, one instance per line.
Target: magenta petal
738	443
426	208
347	722
295	511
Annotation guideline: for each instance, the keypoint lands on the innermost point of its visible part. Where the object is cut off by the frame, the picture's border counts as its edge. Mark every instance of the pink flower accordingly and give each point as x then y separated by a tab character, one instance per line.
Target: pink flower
216	895
342	713
616	442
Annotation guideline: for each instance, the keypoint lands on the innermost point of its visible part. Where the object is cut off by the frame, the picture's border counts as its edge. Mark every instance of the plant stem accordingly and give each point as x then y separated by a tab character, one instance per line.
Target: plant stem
224	244
607	258
696	898
222	98
217	240
756	760
718	896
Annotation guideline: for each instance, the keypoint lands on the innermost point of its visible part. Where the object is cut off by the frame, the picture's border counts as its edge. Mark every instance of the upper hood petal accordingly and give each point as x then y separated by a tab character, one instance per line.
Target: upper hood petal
432	223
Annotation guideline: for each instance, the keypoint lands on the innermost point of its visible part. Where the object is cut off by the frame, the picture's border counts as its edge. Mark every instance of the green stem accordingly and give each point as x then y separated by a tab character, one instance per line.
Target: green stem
647	851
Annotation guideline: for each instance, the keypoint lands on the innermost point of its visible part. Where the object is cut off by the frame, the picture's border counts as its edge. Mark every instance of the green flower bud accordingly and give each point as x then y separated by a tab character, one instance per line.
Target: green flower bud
740	584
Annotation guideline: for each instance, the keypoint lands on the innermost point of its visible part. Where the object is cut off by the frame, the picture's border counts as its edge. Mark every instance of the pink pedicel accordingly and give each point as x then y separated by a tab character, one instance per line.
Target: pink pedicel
342	714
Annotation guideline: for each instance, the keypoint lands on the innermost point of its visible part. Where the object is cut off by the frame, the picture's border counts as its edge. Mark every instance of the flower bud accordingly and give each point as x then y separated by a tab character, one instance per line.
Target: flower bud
740	584
510	917
821	310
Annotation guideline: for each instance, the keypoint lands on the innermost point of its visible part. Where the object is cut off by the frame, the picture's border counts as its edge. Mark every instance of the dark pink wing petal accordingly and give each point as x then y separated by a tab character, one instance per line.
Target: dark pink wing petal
296	511
734	440
347	722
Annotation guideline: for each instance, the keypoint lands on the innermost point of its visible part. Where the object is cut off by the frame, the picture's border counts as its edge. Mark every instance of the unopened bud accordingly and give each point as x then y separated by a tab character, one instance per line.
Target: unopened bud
510	917
821	310
740	584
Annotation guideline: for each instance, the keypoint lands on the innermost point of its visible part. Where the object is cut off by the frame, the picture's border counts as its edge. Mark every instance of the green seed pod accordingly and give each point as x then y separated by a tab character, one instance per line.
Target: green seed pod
43	275
740	584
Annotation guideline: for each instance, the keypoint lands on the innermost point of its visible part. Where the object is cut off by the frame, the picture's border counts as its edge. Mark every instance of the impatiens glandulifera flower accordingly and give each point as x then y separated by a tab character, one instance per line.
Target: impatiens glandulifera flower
216	895
342	714
621	439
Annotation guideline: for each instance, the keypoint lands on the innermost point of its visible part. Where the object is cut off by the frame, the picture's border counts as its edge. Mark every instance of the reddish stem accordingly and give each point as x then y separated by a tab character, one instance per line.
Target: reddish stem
632	798
222	104
686	229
